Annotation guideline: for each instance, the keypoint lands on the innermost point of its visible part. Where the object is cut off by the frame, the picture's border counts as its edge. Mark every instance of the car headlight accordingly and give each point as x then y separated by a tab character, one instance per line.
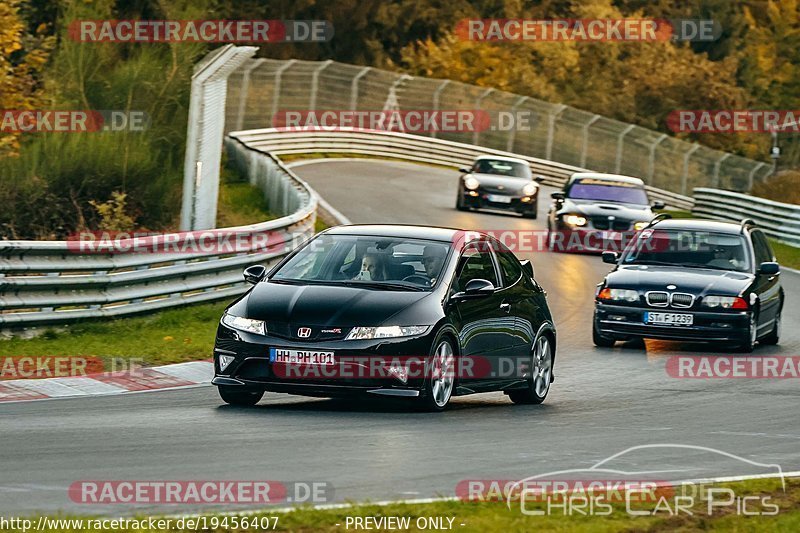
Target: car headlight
638	226
725	302
385	332
619	295
529	189
471	183
245	324
575	220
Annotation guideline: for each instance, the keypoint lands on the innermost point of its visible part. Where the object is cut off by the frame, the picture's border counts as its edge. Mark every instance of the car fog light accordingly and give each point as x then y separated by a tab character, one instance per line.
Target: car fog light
224	361
399	372
525	199
473	193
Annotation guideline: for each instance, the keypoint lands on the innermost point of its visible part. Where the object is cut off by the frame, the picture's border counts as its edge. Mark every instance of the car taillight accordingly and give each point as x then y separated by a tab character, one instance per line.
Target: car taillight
739	303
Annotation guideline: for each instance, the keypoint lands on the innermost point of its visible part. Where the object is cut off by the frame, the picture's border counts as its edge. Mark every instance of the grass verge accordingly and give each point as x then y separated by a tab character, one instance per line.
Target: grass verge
494	516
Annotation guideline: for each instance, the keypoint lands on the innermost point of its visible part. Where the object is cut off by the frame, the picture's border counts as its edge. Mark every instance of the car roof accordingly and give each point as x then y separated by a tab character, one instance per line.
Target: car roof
697	224
502	158
609	177
402	231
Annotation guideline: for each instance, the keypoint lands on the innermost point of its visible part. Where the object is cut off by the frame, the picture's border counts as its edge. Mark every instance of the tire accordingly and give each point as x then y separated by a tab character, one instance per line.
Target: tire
439	385
541	374
460	203
601	340
530	214
233	396
550	246
774	336
749	345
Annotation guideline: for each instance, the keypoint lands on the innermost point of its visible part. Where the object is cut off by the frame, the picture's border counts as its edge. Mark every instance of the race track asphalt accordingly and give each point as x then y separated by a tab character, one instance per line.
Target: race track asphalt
602	402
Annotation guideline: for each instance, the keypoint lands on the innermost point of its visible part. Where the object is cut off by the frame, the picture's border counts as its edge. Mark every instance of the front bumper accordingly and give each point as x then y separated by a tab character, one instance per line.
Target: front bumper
361	367
515	203
581	239
625	322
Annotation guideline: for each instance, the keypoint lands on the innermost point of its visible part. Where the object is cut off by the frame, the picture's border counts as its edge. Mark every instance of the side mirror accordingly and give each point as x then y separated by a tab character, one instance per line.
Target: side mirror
475	289
658	204
538	179
558	195
527	266
254	274
464	170
769	268
610	257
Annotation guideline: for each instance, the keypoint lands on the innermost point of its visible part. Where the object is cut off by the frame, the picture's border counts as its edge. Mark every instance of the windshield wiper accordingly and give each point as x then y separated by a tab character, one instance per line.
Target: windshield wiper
381	285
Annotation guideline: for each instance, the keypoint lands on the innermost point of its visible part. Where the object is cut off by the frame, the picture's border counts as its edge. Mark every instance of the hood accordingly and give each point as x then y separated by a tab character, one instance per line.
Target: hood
323	305
697	281
494	182
594	208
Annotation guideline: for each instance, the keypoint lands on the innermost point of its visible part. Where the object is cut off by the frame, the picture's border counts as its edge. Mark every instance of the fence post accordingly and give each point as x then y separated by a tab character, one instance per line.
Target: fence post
752	175
685	176
512	134
354	88
717	165
276	92
652	158
436	94
586	139
551	130
312	102
618	162
244	92
476	133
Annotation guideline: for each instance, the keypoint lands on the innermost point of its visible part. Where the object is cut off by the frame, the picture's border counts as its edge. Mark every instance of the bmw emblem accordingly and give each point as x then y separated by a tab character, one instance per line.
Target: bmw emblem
671	287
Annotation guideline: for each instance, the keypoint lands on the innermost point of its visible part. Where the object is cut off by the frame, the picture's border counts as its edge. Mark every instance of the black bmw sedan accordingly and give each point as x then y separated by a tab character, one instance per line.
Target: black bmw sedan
692	280
597	212
499	183
399	311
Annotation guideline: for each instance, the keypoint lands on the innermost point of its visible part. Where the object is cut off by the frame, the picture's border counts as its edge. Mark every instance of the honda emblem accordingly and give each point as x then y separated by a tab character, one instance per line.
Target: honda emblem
304	333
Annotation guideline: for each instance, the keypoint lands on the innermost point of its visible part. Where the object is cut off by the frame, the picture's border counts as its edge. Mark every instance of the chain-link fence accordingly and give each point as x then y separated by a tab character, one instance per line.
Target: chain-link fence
262	88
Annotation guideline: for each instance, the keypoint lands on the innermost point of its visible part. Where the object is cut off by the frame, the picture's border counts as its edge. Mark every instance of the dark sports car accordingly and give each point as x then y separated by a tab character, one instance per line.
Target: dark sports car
597	212
499	183
401	311
692	280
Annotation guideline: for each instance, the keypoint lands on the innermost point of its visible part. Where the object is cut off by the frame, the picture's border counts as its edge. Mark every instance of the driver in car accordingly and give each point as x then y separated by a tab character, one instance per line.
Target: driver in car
723	258
433	260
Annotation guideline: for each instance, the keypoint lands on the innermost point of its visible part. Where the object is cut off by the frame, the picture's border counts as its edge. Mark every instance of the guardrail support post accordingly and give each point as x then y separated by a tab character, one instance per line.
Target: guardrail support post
752	175
585	148
276	91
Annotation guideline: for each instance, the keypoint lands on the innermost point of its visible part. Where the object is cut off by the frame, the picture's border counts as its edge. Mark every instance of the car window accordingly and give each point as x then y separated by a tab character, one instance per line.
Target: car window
607	190
475	263
689	249
761	247
509	264
502	167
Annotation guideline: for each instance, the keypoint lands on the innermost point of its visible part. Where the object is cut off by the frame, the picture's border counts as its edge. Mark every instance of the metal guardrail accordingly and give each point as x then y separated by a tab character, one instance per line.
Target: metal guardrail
387	144
778	220
54	282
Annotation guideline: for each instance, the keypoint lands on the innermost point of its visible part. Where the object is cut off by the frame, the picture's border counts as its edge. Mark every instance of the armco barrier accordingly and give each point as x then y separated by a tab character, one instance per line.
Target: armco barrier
49	282
385	144
778	220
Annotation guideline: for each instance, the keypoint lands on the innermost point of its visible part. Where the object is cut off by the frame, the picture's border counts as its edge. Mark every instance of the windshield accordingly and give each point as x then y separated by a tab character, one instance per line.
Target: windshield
691	249
502	167
608	191
369	261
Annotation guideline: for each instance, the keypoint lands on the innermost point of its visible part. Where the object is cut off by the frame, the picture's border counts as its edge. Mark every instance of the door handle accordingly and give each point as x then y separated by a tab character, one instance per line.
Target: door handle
505	306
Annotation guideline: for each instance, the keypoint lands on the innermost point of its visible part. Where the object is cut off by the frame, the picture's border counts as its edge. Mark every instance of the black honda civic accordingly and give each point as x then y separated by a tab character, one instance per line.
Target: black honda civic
692	280
399	311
